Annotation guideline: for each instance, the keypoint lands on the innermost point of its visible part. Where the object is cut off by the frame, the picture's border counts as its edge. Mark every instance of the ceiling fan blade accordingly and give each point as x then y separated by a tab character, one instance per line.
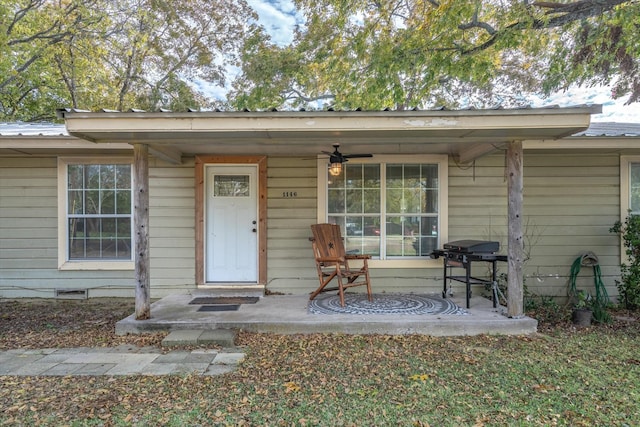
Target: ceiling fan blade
337	157
356	156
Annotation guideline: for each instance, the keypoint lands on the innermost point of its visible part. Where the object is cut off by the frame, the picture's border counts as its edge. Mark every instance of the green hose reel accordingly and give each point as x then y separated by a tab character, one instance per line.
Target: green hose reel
589	259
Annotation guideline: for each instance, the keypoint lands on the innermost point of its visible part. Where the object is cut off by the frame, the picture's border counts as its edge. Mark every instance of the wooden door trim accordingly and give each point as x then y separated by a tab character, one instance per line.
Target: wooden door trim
200	163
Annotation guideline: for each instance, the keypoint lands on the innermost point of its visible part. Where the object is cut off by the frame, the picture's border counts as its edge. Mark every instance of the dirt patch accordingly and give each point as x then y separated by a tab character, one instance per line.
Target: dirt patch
47	323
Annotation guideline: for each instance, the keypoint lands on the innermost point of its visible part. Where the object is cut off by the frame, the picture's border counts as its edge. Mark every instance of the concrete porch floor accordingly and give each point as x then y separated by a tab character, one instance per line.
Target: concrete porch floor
288	314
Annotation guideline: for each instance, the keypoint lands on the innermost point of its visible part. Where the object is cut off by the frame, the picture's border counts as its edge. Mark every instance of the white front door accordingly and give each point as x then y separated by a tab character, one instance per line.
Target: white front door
231	223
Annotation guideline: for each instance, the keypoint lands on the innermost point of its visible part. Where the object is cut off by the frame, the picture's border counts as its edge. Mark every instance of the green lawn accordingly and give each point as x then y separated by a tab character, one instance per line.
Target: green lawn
587	377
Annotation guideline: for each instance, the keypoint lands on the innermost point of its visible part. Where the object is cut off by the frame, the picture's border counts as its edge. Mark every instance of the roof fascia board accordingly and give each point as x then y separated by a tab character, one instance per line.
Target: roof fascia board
589	142
57	143
78	123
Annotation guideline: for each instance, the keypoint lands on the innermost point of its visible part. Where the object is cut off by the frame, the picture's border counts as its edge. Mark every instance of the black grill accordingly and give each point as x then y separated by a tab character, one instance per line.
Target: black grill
461	254
472	246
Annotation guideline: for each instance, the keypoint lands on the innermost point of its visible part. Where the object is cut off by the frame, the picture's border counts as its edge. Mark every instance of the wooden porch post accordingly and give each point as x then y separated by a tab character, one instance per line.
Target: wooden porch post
141	225
515	285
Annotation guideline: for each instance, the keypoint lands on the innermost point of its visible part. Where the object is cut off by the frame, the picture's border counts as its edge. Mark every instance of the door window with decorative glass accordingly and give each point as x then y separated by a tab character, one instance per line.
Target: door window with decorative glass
99	207
386	210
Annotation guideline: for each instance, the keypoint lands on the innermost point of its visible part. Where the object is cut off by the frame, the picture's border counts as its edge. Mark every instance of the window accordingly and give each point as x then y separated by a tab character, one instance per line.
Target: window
629	191
634	188
231	186
392	210
629	185
95	204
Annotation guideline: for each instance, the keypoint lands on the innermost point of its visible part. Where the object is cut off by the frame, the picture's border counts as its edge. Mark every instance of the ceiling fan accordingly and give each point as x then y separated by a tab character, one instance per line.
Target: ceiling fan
336	159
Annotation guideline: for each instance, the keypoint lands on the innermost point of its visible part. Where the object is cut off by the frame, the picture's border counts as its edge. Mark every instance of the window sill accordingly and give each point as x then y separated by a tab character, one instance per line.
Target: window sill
97	265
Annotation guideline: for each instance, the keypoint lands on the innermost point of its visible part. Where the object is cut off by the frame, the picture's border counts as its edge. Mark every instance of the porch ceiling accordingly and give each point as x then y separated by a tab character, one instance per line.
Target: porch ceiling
466	134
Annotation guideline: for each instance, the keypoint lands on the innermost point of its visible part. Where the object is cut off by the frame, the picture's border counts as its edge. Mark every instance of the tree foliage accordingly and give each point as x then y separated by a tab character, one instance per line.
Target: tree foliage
114	54
405	53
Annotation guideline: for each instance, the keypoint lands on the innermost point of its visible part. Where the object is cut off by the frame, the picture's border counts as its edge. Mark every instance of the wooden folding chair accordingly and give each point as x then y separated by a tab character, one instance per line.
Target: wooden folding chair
332	261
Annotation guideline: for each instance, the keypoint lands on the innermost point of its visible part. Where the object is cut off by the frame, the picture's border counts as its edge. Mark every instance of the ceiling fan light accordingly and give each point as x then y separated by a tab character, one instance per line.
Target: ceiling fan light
335	168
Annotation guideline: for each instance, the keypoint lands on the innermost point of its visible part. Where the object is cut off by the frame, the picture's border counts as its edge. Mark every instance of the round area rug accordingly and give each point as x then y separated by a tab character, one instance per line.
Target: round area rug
384	304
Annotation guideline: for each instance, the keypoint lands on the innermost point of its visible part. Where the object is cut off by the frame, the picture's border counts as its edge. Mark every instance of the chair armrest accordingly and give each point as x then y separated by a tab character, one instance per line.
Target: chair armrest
358	257
330	259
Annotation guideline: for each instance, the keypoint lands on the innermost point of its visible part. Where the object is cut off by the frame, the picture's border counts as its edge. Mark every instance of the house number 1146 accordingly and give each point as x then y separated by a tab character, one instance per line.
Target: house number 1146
289	194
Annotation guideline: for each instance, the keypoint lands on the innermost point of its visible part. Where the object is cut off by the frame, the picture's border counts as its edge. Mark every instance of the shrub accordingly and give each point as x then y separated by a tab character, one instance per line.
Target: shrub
629	284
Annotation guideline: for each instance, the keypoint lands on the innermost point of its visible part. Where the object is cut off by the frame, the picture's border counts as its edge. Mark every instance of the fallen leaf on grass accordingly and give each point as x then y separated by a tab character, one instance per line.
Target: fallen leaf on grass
419	377
291	387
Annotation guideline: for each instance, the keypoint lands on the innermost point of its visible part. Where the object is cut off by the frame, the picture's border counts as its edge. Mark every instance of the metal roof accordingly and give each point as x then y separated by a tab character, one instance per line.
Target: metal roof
464	133
611	129
33	129
596	129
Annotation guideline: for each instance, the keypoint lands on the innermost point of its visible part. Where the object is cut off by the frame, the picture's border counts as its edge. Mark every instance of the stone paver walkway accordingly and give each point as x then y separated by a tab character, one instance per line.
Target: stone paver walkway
121	360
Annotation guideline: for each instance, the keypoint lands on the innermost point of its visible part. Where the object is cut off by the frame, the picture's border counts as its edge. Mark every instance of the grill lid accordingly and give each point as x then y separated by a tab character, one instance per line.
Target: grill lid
472	246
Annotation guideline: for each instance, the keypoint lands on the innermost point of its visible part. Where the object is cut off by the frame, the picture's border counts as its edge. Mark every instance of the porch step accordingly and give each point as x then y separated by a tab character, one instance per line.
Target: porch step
221	337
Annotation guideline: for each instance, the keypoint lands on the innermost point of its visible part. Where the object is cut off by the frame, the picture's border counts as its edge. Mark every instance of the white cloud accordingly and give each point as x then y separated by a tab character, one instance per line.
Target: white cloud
210	90
279	17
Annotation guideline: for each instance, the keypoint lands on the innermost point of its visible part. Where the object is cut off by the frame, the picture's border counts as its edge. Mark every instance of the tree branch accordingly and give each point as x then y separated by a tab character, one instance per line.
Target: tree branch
21	14
478	24
299	95
570	12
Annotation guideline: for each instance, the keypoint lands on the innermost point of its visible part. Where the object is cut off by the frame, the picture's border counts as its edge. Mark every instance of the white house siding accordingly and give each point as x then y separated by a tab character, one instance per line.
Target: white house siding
570	202
172	227
291	209
28	233
28	226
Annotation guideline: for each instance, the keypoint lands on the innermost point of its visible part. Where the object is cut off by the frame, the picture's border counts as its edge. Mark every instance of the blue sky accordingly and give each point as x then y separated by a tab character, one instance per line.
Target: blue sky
280	17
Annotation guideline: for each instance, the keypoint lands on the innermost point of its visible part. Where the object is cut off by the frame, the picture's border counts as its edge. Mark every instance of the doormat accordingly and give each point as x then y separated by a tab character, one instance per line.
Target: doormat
385	304
220	307
225	300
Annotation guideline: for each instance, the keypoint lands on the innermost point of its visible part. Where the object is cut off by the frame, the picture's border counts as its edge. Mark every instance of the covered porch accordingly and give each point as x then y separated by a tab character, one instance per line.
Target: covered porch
463	136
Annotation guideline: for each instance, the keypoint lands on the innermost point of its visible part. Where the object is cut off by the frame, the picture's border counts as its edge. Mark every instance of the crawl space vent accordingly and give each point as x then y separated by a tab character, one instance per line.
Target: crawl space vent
71	293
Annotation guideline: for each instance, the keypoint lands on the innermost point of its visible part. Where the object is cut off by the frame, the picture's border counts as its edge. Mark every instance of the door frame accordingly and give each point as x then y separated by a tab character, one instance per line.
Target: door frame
205	160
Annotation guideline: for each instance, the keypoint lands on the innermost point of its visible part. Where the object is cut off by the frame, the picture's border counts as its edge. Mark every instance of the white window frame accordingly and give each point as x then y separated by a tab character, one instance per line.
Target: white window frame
625	184
63	258
625	194
443	201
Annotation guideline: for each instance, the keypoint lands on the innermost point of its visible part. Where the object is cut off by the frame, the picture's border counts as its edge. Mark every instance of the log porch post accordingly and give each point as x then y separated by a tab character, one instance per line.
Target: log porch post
515	285
141	225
